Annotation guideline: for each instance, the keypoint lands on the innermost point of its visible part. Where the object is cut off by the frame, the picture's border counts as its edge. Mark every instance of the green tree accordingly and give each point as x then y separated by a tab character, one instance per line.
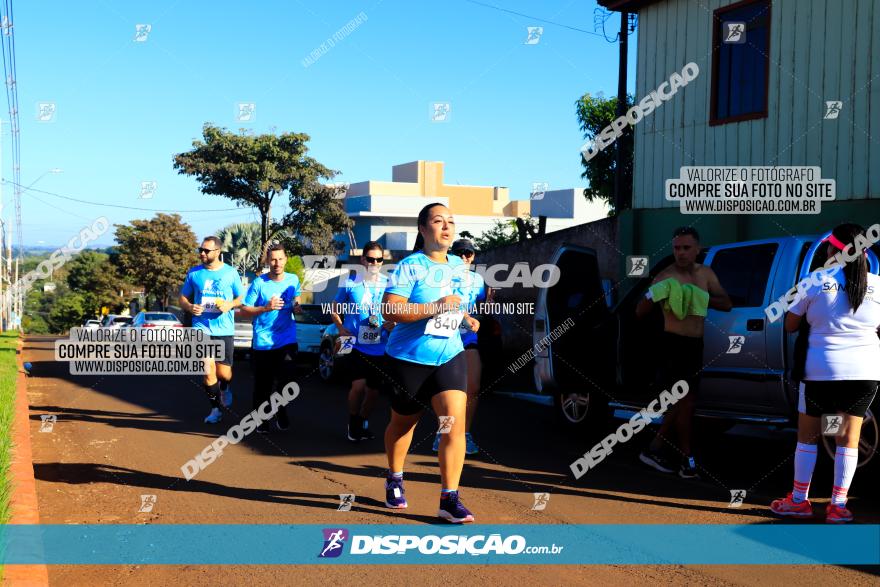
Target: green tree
93	275
594	114
34	324
82	270
295	265
67	311
157	253
503	232
506	232
253	170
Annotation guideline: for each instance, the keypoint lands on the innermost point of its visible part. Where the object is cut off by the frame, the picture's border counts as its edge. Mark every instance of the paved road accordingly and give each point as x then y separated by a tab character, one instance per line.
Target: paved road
118	438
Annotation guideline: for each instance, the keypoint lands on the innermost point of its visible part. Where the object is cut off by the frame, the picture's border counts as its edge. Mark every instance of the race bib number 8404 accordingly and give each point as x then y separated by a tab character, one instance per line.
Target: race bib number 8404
445	324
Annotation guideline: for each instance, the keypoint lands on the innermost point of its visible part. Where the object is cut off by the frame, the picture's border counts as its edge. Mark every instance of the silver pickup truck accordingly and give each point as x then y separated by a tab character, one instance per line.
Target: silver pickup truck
607	361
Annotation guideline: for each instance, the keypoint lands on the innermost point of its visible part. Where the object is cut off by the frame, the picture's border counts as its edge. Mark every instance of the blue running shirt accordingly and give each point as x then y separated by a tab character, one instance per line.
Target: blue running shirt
204	287
371	338
277	328
420	280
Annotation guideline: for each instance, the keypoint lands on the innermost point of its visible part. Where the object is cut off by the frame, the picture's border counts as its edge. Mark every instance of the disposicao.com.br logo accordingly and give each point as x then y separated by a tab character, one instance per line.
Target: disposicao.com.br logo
453	544
334	541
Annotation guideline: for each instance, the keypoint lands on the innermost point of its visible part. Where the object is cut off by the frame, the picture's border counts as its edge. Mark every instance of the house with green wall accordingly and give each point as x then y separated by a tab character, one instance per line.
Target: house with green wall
801	88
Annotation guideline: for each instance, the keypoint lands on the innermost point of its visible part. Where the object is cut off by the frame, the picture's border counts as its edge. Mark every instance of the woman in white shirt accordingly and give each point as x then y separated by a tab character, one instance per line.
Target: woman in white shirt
841	373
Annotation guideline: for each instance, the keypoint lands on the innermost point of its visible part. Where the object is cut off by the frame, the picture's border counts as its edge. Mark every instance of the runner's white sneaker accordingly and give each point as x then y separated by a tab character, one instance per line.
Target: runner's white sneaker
215	416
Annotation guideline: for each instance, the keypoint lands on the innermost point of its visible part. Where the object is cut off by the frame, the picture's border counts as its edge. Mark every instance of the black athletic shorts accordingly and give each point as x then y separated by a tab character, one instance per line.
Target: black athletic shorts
832	397
229	345
681	358
412	385
369	367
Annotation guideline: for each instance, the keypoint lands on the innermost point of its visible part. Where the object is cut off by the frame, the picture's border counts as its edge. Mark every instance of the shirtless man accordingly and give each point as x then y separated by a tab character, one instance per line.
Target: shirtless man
682	342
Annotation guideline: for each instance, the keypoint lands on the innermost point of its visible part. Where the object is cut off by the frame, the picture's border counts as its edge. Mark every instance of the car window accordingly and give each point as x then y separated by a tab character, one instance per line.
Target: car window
122	320
744	272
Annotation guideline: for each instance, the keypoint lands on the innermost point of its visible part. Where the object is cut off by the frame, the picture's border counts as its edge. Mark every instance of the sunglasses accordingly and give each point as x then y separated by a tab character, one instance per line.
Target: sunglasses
373	260
463	253
206	251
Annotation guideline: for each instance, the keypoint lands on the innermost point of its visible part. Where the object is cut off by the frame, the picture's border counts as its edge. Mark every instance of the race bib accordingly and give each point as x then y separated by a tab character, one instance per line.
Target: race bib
369	334
444	324
209	305
463	327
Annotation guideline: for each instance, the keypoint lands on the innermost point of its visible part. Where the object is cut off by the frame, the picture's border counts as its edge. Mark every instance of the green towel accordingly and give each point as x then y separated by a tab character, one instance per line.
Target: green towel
680	299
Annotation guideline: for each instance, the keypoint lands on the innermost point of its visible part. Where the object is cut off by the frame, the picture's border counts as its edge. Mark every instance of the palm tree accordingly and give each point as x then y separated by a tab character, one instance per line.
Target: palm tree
241	244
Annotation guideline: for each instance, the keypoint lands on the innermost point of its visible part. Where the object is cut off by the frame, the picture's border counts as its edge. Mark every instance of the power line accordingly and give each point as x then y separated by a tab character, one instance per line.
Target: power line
559	24
81	201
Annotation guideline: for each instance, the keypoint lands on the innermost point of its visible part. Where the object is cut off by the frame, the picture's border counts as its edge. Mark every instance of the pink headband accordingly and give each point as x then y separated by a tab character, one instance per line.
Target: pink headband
836	242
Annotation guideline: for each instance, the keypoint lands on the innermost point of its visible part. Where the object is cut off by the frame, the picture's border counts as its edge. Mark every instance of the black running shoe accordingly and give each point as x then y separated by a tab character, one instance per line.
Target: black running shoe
657	461
688	469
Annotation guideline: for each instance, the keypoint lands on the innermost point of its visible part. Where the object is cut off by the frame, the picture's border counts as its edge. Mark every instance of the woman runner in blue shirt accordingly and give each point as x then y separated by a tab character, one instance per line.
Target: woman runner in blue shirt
425	358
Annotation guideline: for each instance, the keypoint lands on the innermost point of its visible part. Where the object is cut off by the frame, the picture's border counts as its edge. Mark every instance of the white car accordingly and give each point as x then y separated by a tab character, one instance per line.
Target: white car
145	319
92	324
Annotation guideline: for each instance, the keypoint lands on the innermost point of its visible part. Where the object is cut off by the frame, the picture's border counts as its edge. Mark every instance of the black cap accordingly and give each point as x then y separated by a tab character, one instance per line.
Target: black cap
463	244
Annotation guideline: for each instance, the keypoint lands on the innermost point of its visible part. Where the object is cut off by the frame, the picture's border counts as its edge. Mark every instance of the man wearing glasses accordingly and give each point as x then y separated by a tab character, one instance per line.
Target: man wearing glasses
361	297
210	292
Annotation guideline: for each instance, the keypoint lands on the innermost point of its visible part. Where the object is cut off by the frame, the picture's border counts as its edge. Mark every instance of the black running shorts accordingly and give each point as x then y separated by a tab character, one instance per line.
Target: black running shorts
369	367
412	385
229	346
832	397
682	358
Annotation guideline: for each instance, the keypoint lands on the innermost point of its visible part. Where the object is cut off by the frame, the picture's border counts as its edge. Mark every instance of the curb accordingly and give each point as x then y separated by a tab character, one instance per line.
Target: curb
23	503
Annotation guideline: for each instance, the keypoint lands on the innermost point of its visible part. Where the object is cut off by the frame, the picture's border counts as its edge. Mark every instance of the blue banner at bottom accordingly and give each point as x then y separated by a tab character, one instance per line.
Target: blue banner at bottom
773	544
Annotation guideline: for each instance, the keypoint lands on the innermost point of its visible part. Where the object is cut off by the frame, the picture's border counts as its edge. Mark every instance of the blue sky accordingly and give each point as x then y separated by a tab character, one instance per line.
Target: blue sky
124	108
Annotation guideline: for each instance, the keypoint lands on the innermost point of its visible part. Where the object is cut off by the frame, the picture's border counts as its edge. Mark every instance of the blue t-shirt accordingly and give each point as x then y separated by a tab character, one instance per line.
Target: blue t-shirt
367	296
472	291
420	280
276	328
204	287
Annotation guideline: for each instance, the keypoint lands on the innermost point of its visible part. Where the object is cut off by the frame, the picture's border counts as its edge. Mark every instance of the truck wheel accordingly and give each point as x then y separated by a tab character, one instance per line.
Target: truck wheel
581	411
869	440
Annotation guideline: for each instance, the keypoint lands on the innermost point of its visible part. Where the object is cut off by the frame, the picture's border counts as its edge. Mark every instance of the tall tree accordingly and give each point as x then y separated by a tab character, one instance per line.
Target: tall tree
251	170
316	216
157	253
594	113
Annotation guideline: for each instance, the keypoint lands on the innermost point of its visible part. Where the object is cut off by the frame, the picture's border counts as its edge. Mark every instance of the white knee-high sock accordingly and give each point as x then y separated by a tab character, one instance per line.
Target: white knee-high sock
804	463
845	462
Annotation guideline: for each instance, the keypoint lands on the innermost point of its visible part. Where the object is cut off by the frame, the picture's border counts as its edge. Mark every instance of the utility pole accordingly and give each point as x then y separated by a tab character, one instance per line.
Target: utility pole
621	200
